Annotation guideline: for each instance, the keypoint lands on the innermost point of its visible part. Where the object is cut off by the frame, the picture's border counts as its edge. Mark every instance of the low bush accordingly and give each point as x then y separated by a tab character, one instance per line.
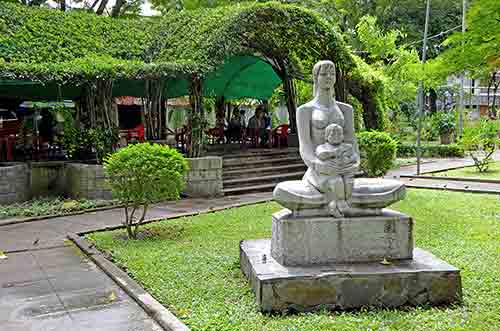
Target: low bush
481	142
141	174
378	151
430	150
444	122
50	206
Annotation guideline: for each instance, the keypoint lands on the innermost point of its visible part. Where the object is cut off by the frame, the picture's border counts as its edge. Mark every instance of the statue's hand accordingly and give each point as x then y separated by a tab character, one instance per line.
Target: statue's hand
324	167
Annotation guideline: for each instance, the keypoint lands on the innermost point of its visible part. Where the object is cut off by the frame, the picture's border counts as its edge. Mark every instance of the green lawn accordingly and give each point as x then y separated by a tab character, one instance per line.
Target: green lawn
49	206
492	173
191	265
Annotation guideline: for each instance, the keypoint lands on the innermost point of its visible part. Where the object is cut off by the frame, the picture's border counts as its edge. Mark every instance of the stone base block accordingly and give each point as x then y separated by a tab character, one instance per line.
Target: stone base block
423	280
303	241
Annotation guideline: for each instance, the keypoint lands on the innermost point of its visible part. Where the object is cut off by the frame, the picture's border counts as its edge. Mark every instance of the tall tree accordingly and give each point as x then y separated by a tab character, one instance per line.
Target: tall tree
477	51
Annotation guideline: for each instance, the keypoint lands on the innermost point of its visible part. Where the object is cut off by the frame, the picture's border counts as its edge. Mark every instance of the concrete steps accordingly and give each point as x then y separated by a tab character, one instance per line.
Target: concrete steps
260	170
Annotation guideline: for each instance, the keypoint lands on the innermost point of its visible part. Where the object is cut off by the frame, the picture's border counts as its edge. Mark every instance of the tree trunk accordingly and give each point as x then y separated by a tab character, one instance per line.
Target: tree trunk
496	85
371	116
102	7
493	102
433	100
340	87
117	8
282	70
62	5
220	107
152	109
196	118
289	89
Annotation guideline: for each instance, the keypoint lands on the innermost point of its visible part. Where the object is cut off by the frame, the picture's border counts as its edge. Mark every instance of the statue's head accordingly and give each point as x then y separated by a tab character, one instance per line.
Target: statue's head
334	134
324	76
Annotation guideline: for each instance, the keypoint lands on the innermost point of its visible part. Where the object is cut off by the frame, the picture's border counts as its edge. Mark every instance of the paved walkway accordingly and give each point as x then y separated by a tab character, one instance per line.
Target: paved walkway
443	183
436	165
47	284
407	174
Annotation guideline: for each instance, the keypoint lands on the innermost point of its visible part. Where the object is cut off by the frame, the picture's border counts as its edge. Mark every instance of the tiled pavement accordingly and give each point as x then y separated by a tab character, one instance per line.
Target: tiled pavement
47	284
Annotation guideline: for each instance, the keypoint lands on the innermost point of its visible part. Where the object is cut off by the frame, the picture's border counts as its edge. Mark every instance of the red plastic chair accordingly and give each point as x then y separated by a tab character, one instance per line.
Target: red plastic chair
280	135
136	133
8	132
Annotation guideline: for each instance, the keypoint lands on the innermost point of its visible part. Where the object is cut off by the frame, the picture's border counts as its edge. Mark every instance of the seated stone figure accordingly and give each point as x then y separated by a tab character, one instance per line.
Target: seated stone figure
313	195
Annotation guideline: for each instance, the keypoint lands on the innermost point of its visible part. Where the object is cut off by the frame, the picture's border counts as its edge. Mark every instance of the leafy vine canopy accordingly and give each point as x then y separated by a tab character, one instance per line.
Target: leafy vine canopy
49	47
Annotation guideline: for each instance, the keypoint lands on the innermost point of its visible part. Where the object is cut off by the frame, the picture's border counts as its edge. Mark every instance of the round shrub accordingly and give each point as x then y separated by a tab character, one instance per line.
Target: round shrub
444	123
141	174
378	151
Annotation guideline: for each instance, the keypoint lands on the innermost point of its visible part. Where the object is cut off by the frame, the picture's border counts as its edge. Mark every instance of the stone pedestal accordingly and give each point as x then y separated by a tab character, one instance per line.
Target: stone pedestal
424	279
345	263
303	241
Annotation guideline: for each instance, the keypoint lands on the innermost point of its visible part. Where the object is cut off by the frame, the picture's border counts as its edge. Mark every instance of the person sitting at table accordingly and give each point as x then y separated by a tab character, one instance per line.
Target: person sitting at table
234	127
259	123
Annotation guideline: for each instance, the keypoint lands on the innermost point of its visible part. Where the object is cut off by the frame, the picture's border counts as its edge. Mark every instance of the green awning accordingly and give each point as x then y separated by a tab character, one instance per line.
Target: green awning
242	77
239	77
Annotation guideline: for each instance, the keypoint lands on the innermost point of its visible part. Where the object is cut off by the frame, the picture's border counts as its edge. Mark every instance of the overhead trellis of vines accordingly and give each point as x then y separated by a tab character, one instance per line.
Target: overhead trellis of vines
79	48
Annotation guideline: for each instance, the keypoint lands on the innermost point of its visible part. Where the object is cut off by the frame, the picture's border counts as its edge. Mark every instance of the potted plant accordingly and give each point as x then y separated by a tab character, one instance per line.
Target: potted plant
445	125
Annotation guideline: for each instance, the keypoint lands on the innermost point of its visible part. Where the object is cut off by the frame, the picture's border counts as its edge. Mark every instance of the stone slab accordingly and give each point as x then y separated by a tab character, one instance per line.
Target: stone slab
303	241
423	280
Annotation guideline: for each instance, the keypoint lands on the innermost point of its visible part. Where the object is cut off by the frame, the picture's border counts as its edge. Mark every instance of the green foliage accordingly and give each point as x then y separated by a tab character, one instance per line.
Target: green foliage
80	143
192	266
476	51
378	151
368	86
481	142
444	122
103	141
408	16
49	206
141	174
46	45
397	66
430	150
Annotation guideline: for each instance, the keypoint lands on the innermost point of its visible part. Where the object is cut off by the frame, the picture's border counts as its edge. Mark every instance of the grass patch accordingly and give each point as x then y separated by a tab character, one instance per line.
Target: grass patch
195	269
50	206
472	172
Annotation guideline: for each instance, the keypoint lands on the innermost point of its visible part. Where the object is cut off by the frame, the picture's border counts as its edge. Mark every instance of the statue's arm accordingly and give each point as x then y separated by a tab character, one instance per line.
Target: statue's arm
348	113
349	136
306	147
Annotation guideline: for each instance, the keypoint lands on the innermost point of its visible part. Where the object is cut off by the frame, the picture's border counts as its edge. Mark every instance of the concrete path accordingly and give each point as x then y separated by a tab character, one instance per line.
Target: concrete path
431	166
407	174
436	165
47	284
443	183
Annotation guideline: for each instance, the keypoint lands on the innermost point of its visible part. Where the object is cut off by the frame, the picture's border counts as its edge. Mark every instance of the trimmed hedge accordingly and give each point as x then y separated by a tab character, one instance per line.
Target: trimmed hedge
378	151
430	150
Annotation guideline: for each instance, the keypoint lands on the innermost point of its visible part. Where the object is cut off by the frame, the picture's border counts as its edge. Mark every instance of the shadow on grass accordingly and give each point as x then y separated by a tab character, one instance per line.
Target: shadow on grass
173	232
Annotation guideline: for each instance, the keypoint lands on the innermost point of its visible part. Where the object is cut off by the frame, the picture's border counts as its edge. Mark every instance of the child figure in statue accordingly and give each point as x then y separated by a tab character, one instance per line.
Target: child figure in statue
339	155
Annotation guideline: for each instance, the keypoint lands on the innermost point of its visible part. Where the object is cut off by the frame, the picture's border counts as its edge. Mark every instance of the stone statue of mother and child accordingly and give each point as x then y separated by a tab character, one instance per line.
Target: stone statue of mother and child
328	243
328	148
